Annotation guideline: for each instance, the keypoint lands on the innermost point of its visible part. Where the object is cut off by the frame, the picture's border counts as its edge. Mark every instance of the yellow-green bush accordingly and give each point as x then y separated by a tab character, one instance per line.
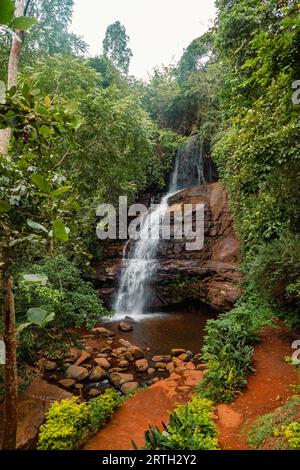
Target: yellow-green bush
70	423
292	434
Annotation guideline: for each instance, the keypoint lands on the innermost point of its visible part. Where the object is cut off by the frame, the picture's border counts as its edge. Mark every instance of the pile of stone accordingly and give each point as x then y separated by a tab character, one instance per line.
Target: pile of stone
123	365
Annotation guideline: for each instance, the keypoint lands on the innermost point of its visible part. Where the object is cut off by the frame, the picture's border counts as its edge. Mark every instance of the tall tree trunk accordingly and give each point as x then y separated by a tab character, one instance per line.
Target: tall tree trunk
10	373
9	316
13	66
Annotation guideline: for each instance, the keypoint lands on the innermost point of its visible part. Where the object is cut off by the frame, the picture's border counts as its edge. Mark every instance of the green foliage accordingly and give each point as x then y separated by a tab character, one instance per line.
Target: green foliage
228	347
74	301
102	408
278	430
274	271
115	47
190	427
69	423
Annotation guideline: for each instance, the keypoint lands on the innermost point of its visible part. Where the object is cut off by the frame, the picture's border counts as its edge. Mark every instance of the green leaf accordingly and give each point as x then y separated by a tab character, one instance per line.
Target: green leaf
41	183
60	230
7	10
35	279
37	316
59	191
23	326
4	207
36	225
22	23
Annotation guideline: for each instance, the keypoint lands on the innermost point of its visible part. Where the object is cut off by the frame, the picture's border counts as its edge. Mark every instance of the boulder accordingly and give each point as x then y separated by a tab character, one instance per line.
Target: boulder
46	364
94	392
97	373
102	331
102	362
124	326
124	343
177	351
67	383
141	365
128	387
161	358
136	352
82	358
160	365
118	378
78	373
123	363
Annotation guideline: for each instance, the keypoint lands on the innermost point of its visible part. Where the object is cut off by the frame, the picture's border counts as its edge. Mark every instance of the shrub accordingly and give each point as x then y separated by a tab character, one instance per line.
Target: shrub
279	430
74	301
65	427
274	272
292	434
69	423
102	408
228	347
190	428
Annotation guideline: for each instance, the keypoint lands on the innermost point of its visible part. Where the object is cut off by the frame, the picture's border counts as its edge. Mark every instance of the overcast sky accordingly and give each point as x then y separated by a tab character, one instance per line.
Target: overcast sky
159	30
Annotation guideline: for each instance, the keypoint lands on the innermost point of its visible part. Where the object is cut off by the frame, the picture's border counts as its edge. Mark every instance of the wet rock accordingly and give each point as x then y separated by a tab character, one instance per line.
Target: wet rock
128	387
184	357
160	365
94	392
124	326
124	343
45	364
106	350
177	362
141	365
177	352
129	356
136	352
118	379
97	373
116	369
161	358
78	373
82	358
102	362
123	364
67	383
103	332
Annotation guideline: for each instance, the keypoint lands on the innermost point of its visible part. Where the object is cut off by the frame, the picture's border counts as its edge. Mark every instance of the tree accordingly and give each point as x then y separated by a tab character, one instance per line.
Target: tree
115	47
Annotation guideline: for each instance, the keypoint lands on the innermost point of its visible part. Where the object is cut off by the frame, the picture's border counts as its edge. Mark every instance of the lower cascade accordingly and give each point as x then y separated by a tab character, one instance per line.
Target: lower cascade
140	263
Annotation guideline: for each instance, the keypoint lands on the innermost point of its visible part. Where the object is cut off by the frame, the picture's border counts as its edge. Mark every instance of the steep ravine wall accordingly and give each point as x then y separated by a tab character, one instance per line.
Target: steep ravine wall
209	276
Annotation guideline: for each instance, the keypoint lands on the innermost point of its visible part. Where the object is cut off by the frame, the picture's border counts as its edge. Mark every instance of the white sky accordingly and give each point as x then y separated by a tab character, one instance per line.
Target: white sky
159	30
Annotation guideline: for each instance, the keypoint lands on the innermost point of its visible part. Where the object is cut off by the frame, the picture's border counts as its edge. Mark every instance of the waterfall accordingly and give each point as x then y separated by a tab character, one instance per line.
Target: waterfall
140	263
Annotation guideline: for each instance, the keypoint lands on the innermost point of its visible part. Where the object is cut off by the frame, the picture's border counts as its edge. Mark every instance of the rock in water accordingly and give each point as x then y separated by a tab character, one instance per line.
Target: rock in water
124	326
118	378
141	365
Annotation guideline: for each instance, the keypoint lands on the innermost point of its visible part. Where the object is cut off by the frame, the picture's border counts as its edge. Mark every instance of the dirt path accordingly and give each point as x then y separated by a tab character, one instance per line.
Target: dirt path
267	389
149	406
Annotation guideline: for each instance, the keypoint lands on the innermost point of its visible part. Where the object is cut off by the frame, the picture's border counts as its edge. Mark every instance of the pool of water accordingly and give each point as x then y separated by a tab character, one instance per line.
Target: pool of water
163	331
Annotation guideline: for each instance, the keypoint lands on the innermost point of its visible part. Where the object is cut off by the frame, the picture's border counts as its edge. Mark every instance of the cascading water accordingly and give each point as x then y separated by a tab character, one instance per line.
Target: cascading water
140	266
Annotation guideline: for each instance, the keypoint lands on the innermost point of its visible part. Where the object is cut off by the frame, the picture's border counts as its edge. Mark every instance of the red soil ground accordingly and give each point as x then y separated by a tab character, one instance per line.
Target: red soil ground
267	389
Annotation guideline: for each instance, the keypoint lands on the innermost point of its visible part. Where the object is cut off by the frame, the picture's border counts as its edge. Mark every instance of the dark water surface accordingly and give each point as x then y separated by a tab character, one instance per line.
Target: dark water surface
163	331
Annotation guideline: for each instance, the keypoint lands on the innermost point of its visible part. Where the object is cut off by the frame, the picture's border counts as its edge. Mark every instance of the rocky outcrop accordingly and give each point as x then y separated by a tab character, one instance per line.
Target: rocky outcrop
209	276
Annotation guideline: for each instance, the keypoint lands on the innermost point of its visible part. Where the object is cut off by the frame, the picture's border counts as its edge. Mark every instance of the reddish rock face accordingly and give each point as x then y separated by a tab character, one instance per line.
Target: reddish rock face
209	276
